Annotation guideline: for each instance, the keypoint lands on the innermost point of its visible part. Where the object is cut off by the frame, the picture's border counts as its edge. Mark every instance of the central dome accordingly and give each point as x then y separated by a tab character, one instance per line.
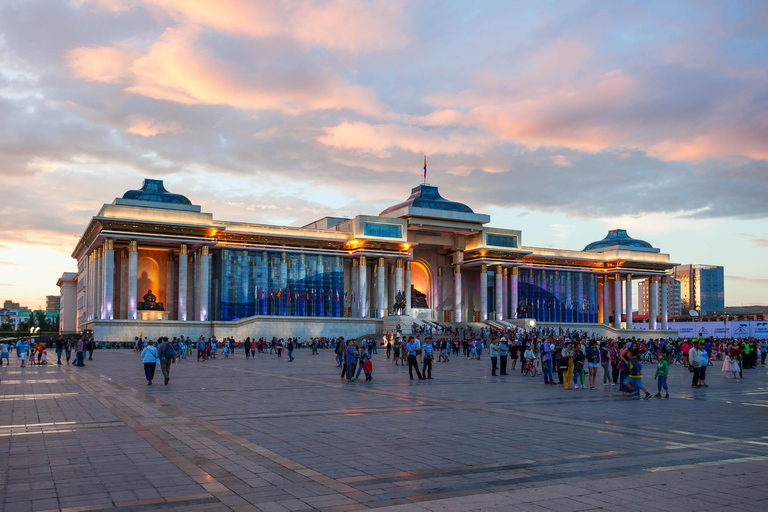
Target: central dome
620	238
425	196
154	191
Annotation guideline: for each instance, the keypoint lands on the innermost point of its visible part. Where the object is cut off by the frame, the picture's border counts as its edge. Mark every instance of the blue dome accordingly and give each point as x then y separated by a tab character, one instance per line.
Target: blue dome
153	190
618	237
425	196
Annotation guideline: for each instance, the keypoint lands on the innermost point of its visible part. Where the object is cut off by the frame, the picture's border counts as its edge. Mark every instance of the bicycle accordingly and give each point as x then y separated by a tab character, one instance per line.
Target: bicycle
649	356
529	369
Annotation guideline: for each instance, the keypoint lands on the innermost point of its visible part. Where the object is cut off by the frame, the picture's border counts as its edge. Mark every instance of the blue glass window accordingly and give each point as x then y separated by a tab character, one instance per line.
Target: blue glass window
501	240
383	230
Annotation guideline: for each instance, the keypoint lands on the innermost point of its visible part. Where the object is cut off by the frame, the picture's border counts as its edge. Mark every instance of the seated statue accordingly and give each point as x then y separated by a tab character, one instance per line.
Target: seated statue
418	299
150	303
399	306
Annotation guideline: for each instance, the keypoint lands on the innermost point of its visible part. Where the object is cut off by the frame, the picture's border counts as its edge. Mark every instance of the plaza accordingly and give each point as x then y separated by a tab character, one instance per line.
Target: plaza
265	434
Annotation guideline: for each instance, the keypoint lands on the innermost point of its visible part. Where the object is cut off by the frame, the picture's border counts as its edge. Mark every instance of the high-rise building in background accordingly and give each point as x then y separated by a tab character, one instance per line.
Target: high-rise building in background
702	288
673	297
52	303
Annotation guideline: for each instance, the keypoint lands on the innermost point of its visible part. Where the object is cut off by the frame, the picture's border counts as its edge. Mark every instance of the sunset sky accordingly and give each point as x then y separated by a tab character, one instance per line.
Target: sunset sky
562	119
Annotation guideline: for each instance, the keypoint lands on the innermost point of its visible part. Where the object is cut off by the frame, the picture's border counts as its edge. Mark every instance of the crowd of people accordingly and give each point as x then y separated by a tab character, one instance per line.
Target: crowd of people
572	359
34	352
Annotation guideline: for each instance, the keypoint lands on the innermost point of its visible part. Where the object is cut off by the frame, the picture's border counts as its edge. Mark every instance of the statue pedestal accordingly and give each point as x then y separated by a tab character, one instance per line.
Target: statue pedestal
153	315
391	322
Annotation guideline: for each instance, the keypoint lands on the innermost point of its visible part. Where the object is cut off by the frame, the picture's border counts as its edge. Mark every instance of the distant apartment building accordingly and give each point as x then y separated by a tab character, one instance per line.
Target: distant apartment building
702	288
673	298
52	303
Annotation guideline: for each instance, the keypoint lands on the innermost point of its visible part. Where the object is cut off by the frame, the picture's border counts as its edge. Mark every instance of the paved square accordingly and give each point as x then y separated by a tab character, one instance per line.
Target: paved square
266	434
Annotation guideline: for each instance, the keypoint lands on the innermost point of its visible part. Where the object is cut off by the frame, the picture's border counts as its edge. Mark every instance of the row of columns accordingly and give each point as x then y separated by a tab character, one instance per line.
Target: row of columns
100	285
653	295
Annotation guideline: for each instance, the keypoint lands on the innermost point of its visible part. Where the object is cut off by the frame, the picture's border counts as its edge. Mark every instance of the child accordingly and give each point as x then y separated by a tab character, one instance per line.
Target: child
44	358
730	365
368	369
662	372
226	351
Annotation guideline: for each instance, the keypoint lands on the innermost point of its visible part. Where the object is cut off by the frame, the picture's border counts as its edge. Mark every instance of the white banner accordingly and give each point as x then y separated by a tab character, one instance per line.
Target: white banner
734	329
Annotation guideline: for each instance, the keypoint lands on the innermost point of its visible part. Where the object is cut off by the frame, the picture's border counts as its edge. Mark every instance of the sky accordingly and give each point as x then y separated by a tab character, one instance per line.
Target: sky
562	119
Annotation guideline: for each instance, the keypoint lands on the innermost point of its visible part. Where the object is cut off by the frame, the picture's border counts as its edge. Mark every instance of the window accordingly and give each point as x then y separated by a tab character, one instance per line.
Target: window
501	240
383	230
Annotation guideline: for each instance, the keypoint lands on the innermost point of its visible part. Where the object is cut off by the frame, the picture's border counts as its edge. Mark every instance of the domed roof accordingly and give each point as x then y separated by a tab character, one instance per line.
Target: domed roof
153	190
618	237
425	196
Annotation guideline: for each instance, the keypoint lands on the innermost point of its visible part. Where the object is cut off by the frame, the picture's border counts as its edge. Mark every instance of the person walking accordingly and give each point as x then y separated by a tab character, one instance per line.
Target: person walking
68	349
396	351
546	360
59	348
167	354
410	351
429	357
80	352
4	354
662	372
91	346
150	357
290	350
566	357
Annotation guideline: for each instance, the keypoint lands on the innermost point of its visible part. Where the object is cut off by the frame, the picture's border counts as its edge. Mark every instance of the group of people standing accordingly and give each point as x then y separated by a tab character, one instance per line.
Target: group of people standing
36	351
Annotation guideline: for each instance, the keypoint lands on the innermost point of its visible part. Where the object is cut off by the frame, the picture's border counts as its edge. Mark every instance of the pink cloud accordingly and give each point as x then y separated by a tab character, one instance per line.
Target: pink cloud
352	25
111	64
178	69
146	126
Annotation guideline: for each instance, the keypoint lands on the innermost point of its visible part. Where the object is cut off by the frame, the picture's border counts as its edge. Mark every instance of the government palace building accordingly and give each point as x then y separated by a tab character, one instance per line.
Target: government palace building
152	263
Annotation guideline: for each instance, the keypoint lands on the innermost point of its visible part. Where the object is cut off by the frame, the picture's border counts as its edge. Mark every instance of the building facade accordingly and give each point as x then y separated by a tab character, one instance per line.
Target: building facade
672	298
52	303
702	288
152	259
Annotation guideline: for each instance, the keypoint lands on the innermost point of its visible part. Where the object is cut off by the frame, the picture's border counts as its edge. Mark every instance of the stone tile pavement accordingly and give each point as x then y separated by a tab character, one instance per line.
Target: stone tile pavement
266	434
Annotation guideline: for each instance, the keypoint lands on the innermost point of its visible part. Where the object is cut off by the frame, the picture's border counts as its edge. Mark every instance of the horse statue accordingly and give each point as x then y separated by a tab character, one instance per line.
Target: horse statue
399	306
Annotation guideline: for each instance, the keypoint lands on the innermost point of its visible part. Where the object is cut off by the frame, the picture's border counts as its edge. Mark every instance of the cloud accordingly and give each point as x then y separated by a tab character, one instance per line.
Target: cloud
147	127
178	68
109	64
760	242
351	25
380	139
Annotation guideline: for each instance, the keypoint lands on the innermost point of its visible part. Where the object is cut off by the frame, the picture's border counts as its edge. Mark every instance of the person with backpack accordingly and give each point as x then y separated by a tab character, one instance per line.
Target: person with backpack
167	354
150	357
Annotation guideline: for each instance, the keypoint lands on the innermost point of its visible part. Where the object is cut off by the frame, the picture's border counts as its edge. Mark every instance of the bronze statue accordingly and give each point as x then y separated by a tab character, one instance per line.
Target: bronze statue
418	299
399	306
150	303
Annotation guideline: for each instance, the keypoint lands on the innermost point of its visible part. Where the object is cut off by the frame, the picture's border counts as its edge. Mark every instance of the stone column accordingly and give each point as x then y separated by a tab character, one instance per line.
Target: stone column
123	284
483	293
355	299
381	277
407	287
302	271
439	308
399	276
581	304
89	289
569	297
628	301
202	284
133	271
170	296
362	287
457	293
392	288
514	292
183	261
653	302
108	304
665	303
617	302
606	301
498	292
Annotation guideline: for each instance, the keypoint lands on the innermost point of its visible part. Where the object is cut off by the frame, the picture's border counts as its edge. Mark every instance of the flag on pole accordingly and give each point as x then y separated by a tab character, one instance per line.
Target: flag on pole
279	292
425	168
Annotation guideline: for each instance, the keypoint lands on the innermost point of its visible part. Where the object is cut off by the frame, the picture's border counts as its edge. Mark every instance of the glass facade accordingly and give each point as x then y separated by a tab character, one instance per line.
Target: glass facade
383	230
253	282
558	295
501	240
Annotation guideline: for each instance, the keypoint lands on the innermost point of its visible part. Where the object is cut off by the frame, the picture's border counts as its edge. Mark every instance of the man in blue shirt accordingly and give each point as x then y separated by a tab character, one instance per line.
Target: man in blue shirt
410	349
351	360
428	357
